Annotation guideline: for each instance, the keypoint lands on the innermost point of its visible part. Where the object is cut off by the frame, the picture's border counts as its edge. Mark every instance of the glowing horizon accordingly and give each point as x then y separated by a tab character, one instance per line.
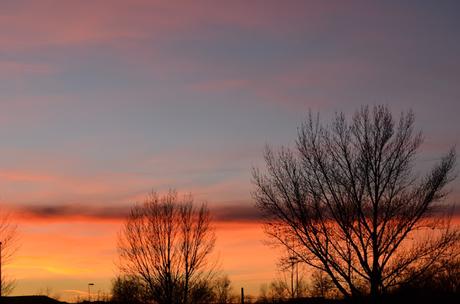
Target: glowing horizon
62	265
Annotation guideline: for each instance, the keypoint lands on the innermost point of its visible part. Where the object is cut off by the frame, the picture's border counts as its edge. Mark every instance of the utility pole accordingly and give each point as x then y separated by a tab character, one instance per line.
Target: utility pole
292	279
294	261
297	279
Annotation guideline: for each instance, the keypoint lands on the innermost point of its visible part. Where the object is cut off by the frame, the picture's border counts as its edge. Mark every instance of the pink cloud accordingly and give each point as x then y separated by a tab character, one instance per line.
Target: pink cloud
23	176
43	23
37	187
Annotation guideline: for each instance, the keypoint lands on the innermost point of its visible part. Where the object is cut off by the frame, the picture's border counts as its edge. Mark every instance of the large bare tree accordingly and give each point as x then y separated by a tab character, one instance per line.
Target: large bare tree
166	242
347	202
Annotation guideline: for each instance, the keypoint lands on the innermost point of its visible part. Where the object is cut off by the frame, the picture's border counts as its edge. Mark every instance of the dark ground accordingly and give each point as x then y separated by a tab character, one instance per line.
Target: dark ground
29	300
36	300
417	299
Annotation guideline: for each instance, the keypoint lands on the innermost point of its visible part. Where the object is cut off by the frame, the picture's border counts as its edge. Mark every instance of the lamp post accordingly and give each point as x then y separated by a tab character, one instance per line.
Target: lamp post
89	291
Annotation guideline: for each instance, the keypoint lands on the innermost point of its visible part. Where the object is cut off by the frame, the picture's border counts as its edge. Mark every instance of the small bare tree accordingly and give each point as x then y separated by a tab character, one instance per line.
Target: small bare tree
321	284
8	246
347	202
223	291
166	243
279	290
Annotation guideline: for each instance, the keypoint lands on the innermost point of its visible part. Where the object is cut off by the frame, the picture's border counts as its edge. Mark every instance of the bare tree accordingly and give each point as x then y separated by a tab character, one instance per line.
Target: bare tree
321	284
166	243
278	290
8	246
289	284
346	201
223	291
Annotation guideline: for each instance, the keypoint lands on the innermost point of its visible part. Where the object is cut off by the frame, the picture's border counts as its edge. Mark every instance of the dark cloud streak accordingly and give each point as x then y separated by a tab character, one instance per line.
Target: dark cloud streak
240	212
74	211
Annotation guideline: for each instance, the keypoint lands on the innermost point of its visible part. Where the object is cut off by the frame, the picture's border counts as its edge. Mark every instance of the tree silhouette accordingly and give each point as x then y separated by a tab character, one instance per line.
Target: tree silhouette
223	293
346	201
128	290
166	243
321	284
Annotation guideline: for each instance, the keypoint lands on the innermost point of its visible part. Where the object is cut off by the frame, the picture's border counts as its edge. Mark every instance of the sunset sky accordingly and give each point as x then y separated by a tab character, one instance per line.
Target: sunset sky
104	101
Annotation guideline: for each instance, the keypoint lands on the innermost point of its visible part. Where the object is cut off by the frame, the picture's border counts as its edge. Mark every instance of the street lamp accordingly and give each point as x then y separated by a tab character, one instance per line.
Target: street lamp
89	291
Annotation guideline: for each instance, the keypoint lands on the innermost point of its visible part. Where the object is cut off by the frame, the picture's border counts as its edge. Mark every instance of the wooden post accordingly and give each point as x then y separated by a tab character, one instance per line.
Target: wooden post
242	295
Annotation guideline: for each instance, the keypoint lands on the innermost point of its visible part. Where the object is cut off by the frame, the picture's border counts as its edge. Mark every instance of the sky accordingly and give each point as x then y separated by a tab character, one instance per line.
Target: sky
104	101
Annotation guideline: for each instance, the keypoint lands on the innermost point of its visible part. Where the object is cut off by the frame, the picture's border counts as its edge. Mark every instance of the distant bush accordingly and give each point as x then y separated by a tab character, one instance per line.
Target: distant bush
442	279
128	290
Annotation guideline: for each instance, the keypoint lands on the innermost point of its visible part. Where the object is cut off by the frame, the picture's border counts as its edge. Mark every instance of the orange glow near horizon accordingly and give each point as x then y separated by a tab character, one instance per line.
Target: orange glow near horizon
64	255
61	256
